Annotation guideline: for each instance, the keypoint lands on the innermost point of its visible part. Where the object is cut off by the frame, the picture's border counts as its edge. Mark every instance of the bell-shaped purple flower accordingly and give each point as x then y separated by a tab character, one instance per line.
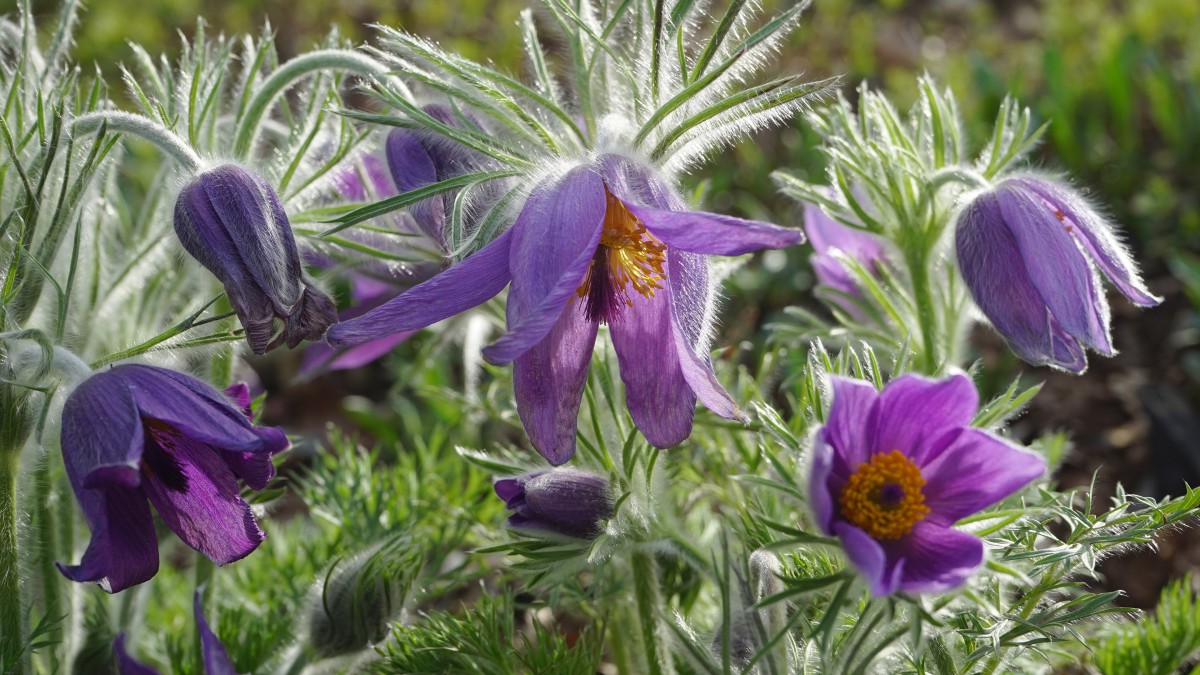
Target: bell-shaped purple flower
231	221
893	471
1029	250
137	435
828	236
563	501
216	659
602	243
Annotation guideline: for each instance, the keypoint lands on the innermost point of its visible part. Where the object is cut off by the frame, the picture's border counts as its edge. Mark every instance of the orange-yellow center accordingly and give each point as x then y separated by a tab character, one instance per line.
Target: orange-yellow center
628	257
883	496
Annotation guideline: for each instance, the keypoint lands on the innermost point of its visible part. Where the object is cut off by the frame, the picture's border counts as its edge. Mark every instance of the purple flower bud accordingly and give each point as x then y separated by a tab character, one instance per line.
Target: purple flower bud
232	222
138	435
565	501
827	236
1029	249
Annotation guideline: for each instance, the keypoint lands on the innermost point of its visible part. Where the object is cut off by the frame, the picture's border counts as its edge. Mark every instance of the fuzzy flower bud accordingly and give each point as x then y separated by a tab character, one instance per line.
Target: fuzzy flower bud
1029	250
231	221
354	607
564	501
829	236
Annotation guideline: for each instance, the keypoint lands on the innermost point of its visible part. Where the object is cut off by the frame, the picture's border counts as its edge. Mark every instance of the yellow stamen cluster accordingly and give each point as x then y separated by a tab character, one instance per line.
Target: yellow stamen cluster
633	257
883	496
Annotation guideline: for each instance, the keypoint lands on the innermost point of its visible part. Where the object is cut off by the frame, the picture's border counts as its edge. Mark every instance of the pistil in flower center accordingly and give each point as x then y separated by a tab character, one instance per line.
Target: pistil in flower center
883	496
628	257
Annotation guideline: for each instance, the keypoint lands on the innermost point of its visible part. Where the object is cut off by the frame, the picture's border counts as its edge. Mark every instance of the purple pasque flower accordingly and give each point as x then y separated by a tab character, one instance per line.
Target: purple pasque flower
231	221
606	242
216	659
137	435
894	470
1029	250
565	501
827	236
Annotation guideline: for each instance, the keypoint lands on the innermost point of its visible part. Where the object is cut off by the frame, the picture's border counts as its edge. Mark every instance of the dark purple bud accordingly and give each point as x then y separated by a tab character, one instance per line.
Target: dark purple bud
1029	250
565	501
231	221
138	435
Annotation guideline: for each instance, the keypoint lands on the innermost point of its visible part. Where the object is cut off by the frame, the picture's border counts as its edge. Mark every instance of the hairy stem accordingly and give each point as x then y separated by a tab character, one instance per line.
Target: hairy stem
11	631
917	258
143	127
649	604
291	73
45	530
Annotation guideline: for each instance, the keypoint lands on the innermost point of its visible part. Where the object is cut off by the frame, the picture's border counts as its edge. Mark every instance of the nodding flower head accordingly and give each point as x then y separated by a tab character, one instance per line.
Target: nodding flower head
604	242
564	501
138	435
231	221
1029	250
894	470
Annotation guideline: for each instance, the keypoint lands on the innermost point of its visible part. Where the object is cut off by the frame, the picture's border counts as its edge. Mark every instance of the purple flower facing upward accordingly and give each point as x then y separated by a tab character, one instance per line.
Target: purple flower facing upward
216	659
231	221
603	243
138	435
564	501
894	470
827	236
1029	251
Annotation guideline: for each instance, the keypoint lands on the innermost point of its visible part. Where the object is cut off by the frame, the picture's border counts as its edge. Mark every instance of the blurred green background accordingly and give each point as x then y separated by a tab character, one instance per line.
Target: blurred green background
1120	81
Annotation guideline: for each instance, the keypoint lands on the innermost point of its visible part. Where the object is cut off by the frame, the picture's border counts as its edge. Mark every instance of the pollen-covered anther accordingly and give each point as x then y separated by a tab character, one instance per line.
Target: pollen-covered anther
628	257
883	496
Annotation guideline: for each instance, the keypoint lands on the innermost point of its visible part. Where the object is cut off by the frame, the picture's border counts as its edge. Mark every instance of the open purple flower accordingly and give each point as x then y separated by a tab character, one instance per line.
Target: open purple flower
564	501
894	470
138	435
216	659
603	243
1028	249
231	221
828	236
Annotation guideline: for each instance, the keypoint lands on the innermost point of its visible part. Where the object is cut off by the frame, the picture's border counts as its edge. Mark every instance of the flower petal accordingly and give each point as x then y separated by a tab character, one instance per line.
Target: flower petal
197	496
712	233
548	383
216	659
554	241
976	471
657	393
191	406
412	168
993	269
126	664
101	433
687	275
820	499
847	428
920	417
123	551
1100	241
471	282
869	558
935	558
322	358
1056	266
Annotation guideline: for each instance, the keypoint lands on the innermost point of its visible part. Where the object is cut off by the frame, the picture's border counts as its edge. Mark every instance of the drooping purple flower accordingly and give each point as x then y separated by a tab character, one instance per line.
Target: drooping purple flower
216	659
828	236
1029	251
602	243
137	435
894	470
231	221
564	501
